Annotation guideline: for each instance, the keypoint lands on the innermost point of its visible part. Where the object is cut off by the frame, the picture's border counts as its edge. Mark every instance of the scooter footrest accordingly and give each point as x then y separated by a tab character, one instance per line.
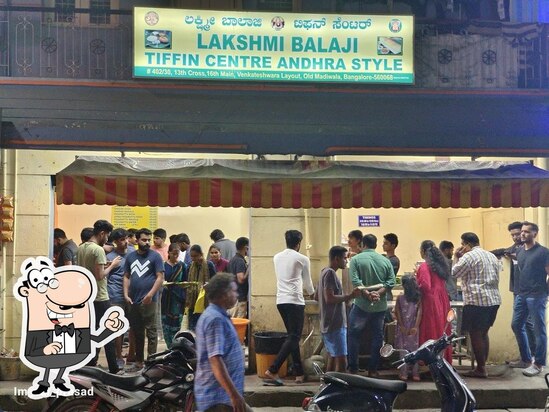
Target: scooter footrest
358	381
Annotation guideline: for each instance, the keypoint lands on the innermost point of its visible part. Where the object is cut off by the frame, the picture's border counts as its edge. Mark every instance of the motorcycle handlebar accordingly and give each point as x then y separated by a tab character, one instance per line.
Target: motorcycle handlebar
439	345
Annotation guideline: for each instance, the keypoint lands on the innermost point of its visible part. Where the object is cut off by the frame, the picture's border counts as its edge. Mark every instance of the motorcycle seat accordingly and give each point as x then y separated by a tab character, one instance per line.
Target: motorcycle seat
358	381
129	383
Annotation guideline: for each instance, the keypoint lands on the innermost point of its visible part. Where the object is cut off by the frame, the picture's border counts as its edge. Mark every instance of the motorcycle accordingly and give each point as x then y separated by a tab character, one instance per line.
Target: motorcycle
353	393
165	384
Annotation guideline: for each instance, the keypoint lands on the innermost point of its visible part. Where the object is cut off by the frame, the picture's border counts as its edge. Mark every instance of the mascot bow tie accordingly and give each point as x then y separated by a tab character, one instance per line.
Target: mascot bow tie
64	329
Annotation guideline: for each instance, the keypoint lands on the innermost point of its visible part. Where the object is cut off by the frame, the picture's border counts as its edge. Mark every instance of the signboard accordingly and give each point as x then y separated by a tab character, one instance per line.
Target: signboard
136	217
272	46
368	221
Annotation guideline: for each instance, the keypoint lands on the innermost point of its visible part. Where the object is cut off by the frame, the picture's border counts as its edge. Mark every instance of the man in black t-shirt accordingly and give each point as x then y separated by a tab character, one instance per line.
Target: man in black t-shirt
66	248
531	299
239	267
515	228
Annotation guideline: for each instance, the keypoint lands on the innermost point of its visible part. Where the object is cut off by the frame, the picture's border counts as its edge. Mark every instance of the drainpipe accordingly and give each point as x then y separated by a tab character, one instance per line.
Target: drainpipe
4	274
308	244
542	211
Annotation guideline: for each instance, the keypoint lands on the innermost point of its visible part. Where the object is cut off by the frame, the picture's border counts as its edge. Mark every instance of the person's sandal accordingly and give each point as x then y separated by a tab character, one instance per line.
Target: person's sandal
272	379
473	373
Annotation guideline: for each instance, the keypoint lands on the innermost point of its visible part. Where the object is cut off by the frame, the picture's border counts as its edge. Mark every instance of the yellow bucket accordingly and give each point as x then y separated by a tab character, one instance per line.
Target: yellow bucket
263	362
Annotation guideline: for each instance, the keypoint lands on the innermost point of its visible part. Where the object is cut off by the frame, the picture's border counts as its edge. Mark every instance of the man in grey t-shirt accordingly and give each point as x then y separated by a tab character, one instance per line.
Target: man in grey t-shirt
333	318
226	247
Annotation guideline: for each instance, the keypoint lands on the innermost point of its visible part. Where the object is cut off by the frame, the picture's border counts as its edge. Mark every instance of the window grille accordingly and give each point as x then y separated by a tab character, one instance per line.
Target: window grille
100	11
64	11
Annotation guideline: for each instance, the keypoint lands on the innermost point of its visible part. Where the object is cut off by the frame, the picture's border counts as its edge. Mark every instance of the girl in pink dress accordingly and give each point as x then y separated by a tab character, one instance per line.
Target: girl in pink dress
431	278
408	315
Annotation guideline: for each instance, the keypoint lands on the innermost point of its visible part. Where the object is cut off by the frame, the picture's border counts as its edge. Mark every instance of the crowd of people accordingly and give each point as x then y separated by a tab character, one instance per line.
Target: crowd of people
137	270
156	282
421	310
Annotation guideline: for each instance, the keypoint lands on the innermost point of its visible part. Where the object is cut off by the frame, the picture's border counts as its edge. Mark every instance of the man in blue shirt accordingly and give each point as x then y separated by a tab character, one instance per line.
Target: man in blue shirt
143	277
219	381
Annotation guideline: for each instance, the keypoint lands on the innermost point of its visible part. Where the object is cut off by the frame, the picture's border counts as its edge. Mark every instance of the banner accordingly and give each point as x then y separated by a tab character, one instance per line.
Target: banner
136	217
273	46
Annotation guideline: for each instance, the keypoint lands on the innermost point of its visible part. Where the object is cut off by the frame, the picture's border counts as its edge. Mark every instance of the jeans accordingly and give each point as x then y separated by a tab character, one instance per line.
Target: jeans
143	317
193	319
110	348
535	307
358	321
293	317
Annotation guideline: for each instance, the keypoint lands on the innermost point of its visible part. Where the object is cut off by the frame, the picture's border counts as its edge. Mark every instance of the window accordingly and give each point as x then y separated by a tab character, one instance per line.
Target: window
64	11
100	11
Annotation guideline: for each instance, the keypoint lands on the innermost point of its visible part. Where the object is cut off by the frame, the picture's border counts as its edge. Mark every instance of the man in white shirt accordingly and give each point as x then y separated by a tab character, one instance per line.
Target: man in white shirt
293	276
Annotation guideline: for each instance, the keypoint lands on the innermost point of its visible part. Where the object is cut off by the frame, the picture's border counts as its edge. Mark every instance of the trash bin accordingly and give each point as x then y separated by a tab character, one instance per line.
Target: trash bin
267	346
9	368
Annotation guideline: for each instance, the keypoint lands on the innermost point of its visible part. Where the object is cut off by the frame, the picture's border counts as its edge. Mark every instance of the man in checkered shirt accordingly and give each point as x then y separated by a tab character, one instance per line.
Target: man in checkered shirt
479	273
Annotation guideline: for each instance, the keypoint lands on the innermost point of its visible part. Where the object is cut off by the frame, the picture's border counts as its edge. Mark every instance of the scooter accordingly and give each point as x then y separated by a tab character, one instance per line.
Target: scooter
165	384
353	393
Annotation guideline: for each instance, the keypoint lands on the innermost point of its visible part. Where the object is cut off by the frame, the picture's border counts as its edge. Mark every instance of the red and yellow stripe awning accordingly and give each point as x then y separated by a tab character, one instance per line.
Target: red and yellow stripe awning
200	186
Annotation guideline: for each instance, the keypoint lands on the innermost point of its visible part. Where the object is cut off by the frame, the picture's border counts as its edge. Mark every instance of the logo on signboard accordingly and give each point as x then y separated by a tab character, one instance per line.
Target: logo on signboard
151	18
277	23
395	25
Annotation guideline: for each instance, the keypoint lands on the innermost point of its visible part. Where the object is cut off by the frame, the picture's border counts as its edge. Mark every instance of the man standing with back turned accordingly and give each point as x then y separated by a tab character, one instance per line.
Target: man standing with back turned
531	299
479	273
369	268
293	275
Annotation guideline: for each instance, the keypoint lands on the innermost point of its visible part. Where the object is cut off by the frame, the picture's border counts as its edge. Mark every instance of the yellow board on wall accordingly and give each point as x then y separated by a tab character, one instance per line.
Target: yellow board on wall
136	217
273	46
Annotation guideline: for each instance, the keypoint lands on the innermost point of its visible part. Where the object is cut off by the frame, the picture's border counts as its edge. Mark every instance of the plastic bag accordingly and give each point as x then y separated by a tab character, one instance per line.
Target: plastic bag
200	303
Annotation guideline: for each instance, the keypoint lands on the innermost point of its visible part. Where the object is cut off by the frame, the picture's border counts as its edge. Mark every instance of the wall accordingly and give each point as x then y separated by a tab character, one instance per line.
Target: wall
30	183
267	238
197	222
412	226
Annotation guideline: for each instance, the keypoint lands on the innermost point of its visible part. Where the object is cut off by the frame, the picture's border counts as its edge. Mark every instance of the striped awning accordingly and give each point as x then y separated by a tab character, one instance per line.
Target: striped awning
301	184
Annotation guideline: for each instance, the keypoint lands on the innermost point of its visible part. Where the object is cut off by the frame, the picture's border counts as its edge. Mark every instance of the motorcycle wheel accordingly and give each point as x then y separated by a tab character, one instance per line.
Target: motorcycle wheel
84	405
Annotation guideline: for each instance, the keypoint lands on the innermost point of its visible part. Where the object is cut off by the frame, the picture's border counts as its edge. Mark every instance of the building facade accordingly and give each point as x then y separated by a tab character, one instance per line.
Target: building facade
66	90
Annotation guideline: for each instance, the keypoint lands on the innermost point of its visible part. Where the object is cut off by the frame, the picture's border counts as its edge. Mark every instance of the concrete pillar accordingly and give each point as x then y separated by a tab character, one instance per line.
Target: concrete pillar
503	345
267	228
29	181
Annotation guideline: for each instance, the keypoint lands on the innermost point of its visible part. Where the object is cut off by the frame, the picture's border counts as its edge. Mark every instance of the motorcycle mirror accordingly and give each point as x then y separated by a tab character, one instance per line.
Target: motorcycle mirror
386	350
451	315
318	369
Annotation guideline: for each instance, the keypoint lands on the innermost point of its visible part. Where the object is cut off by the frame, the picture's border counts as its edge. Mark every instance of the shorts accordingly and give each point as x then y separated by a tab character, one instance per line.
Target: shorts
336	342
478	318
